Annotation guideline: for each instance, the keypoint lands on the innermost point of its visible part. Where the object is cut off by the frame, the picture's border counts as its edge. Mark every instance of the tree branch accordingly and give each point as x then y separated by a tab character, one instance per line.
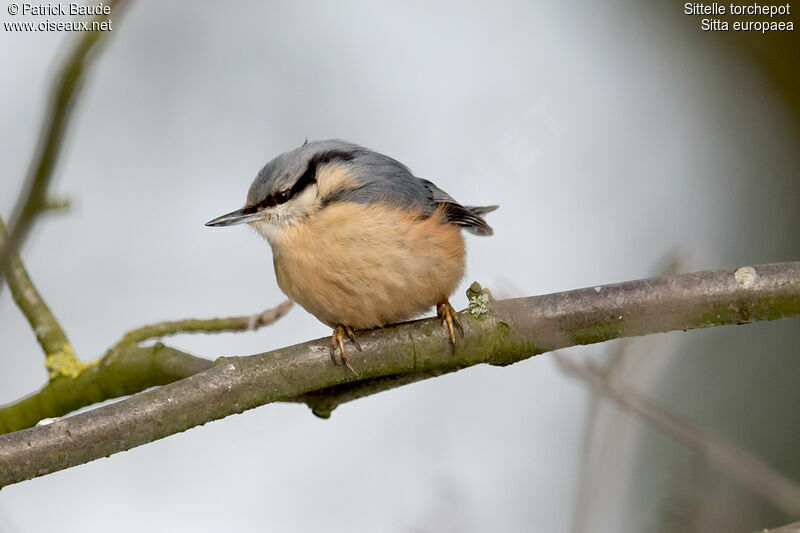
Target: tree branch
211	325
508	331
66	88
322	402
127	369
48	331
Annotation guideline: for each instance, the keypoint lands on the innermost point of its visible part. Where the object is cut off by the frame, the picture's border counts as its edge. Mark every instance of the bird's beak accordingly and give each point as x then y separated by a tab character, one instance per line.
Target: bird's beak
240	216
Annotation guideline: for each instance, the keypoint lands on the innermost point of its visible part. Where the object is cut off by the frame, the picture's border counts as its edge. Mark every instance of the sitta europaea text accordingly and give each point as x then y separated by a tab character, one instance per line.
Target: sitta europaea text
357	239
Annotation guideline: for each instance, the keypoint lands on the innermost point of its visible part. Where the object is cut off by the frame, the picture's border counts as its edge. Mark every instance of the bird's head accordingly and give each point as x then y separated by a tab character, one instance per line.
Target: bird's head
291	186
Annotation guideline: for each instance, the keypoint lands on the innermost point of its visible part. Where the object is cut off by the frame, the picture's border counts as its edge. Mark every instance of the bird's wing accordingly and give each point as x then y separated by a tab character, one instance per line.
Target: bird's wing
379	178
468	218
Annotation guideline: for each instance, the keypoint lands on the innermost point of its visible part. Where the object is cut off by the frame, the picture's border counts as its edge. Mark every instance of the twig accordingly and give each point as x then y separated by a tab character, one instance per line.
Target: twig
57	204
730	459
32	199
322	402
48	331
508	331
211	325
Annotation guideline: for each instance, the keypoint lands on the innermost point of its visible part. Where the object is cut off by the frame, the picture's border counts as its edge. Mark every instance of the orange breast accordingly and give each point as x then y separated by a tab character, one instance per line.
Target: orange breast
368	265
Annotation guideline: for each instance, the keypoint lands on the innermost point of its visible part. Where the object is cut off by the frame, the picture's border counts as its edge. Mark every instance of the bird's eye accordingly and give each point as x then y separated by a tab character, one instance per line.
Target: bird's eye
282	197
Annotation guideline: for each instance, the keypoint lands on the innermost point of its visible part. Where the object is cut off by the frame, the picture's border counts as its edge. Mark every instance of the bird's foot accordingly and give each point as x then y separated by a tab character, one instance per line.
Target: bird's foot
337	339
449	316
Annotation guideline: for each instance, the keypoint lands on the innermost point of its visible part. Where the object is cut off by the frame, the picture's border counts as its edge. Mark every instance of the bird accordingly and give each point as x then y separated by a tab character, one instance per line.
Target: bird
357	240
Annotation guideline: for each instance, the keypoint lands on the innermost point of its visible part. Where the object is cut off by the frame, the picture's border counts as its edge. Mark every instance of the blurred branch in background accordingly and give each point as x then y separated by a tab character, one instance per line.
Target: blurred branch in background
496	332
33	198
619	358
730	459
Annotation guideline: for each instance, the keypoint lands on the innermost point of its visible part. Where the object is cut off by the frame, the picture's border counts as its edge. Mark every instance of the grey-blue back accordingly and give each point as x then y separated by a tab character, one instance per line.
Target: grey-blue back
379	178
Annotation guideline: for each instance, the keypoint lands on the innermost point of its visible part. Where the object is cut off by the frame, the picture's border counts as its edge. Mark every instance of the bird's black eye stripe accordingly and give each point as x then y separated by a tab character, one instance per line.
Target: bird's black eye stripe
308	177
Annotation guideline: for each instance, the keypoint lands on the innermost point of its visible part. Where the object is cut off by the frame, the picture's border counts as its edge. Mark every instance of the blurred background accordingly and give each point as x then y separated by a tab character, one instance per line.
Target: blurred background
621	142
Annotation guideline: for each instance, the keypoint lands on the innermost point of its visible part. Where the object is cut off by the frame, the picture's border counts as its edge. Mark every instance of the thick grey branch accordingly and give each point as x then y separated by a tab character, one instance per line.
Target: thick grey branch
510	331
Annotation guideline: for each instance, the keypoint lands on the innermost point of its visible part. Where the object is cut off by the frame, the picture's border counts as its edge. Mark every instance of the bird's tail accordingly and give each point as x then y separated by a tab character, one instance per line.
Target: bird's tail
481	210
472	219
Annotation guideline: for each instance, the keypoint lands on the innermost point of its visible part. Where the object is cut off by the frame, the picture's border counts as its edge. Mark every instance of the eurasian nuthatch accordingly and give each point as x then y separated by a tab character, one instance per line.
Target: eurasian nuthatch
357	239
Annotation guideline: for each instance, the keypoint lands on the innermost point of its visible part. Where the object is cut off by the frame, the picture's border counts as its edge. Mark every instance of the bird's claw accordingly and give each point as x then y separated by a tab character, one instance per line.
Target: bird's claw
337	339
450	317
352	337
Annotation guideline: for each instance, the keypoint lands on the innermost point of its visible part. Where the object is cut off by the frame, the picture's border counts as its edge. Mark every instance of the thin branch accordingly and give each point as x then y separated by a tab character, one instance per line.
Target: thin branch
322	402
55	203
127	369
211	325
66	88
48	331
509	331
750	471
